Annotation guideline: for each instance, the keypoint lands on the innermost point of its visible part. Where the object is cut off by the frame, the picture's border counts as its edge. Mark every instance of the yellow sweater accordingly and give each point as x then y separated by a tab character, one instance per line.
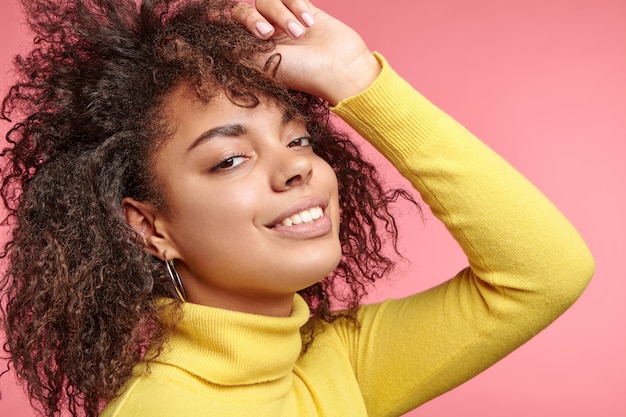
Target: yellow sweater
527	265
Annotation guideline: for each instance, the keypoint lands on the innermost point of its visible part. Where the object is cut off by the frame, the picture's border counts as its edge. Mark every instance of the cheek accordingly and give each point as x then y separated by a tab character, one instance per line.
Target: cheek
329	180
219	208
213	223
214	229
326	174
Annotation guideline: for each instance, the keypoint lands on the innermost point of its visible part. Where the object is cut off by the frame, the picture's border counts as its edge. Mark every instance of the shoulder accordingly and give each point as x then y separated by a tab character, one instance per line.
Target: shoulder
155	394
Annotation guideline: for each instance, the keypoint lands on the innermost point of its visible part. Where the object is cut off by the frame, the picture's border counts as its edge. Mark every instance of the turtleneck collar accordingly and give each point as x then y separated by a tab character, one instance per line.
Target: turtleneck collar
231	348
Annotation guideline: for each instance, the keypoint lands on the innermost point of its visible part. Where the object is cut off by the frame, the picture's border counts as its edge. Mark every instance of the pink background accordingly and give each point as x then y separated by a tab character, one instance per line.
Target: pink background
544	84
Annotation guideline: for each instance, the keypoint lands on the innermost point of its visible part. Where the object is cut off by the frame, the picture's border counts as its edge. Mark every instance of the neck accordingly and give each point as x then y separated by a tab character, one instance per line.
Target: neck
265	305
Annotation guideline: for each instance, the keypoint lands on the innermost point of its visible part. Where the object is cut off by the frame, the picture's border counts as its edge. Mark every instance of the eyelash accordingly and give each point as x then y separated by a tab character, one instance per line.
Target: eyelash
229	160
309	139
226	161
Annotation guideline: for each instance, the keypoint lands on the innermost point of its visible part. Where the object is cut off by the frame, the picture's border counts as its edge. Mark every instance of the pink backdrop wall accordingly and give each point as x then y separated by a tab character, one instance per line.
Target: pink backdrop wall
544	84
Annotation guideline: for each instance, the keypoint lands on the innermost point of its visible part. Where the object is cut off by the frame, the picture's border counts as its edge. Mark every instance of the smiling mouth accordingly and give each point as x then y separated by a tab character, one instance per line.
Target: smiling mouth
304	216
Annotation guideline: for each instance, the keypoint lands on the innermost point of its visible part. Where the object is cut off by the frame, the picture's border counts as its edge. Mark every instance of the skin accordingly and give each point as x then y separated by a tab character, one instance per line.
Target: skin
226	193
314	62
231	175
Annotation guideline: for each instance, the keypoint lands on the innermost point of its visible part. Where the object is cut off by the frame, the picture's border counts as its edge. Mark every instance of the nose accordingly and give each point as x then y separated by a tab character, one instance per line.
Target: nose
290	169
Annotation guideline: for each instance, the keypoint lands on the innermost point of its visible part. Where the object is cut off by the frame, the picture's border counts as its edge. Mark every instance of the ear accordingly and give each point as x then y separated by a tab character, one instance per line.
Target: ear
144	219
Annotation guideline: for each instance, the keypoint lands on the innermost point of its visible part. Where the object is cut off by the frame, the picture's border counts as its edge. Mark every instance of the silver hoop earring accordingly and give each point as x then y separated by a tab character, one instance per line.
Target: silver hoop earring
178	284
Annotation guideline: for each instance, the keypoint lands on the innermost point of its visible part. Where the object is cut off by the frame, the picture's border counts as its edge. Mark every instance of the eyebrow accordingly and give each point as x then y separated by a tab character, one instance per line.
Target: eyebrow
232	130
226	130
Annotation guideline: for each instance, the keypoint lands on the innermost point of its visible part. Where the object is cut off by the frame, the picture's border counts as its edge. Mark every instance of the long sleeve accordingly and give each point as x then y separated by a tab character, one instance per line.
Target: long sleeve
527	264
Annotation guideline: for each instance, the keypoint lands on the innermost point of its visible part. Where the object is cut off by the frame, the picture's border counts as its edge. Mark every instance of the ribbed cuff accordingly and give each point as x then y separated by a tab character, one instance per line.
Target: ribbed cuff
388	109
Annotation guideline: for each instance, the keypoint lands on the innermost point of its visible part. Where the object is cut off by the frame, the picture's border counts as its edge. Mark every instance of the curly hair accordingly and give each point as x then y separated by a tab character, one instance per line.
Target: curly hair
80	294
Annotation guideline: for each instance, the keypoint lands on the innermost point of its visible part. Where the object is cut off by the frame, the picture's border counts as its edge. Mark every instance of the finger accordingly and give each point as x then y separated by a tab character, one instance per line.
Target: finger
303	10
251	19
291	16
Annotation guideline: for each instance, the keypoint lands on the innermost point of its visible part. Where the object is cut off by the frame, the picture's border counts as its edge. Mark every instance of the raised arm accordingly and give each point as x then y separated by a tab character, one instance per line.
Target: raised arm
527	263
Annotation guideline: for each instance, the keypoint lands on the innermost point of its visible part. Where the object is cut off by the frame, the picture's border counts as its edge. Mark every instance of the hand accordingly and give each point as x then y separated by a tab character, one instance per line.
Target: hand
320	54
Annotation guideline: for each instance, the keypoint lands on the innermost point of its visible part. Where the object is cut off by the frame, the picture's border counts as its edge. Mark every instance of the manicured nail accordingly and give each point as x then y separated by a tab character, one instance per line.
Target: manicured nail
295	29
307	18
263	28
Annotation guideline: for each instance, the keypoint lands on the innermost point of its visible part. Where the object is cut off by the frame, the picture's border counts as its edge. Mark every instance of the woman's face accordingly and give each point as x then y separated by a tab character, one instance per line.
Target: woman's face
252	212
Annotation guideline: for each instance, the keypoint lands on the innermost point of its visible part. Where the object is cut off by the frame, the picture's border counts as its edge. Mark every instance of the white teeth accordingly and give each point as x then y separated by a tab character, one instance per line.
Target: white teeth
316	213
305	216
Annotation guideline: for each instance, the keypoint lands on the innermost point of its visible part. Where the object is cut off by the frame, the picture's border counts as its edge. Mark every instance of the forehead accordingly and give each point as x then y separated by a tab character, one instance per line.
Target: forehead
216	101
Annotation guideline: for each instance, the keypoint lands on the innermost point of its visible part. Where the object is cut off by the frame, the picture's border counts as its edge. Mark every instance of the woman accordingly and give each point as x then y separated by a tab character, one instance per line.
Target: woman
187	224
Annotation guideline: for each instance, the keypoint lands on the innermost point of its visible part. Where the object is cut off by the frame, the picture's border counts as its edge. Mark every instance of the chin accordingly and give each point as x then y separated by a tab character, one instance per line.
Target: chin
317	273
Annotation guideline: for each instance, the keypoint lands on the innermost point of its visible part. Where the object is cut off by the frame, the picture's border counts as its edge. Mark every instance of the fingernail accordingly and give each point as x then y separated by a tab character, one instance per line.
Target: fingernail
295	29
307	18
263	28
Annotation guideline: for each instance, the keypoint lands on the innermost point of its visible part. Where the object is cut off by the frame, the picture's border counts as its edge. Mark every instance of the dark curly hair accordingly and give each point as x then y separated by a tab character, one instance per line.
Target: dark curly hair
79	293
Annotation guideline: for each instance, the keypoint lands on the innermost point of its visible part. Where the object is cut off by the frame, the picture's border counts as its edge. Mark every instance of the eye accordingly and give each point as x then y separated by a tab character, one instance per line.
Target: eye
302	142
230	163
